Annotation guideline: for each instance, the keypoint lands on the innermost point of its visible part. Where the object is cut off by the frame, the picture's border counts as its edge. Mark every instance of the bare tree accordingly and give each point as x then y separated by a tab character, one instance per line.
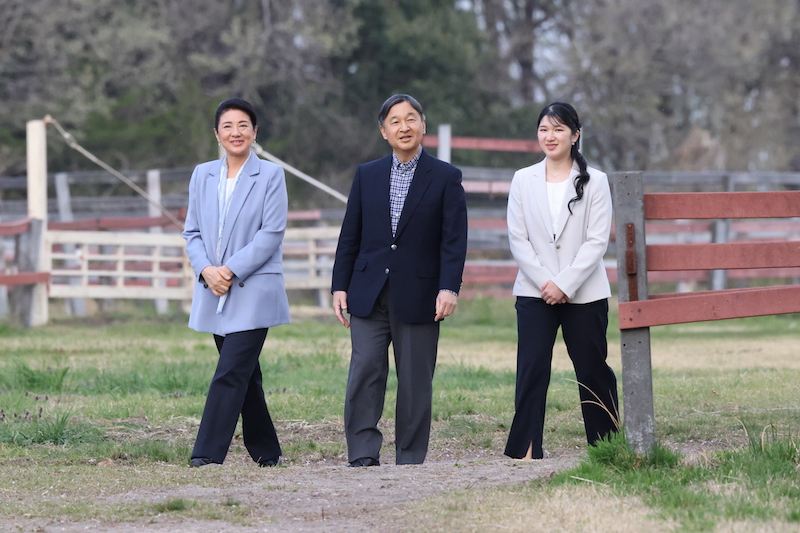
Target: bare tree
523	34
713	78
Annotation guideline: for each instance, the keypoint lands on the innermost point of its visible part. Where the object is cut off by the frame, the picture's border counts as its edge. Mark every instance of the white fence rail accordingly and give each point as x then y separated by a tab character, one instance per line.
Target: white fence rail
100	264
152	266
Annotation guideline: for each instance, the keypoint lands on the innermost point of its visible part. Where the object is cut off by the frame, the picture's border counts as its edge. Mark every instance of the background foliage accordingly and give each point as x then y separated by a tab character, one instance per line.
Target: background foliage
704	85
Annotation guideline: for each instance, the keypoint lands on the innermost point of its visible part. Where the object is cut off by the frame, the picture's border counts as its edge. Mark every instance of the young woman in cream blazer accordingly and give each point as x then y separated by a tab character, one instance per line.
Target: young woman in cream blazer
559	221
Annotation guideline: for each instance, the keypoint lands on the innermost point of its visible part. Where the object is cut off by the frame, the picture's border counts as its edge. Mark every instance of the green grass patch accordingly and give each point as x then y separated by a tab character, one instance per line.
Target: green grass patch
36	428
20	376
174	504
756	483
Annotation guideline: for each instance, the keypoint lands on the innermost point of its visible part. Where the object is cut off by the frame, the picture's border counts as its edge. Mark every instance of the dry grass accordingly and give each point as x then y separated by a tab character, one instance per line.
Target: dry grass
534	508
688	354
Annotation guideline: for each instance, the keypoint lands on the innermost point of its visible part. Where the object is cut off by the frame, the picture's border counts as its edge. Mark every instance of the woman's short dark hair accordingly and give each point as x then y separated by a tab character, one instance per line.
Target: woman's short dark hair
396	99
235	103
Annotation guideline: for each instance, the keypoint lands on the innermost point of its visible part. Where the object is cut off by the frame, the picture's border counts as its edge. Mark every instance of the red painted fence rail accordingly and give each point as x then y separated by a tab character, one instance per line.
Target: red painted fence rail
482	143
715	305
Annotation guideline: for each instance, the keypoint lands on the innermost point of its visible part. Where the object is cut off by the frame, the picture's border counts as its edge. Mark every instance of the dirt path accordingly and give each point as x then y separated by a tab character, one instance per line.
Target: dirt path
317	497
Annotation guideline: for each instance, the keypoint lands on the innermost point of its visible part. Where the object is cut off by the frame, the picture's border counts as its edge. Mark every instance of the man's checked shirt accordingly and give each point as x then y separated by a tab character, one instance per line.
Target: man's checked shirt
399	182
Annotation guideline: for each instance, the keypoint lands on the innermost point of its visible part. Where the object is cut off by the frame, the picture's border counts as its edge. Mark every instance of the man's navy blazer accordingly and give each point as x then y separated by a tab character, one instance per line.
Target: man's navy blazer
427	253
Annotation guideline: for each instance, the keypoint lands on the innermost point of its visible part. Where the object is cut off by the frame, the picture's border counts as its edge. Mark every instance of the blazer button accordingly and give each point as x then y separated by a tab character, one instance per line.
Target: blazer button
386	271
558	246
393	247
241	283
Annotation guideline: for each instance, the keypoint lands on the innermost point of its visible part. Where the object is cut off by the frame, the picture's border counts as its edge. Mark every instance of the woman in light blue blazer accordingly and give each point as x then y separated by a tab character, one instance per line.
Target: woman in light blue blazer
234	228
559	221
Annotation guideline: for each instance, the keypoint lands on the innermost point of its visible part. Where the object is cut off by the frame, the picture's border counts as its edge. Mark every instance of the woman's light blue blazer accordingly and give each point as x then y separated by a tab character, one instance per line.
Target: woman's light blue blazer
251	244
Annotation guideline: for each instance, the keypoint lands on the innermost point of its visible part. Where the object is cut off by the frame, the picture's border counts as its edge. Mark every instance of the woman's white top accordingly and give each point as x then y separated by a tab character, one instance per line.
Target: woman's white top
230	184
555	199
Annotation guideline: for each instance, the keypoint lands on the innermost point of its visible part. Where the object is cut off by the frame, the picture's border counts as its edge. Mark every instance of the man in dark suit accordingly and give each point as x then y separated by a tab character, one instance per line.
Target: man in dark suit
397	273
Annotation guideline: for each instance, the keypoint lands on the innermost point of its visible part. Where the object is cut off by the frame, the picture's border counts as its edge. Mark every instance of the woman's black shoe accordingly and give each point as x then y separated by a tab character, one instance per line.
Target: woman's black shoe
197	462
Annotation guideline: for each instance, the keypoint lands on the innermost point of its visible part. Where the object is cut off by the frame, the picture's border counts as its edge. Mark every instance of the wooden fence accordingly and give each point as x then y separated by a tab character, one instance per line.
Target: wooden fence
489	271
150	266
117	265
21	280
309	252
488	239
639	310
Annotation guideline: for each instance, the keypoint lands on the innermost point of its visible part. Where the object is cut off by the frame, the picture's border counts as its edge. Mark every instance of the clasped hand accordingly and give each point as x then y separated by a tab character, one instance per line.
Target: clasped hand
218	279
552	295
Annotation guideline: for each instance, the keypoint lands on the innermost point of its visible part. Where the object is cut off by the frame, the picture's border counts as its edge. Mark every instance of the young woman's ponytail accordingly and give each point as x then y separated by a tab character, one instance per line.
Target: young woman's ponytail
583	175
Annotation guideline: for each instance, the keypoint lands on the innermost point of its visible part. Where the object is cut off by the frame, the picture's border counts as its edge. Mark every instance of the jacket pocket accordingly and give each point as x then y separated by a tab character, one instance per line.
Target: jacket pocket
360	264
270	267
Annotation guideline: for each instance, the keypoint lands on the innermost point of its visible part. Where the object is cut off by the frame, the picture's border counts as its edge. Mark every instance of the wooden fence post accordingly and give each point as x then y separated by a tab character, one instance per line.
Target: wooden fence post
36	151
154	190
637	371
3	288
24	297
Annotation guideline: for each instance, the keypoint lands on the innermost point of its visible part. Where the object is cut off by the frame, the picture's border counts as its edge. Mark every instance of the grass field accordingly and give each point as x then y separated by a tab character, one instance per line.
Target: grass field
127	390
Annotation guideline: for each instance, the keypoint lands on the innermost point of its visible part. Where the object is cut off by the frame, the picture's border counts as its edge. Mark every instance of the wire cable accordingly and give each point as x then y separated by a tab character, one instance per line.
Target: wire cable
70	140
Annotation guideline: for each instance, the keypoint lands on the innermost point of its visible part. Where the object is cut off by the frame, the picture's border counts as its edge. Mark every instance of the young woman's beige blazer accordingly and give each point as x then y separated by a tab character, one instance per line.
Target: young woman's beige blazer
572	256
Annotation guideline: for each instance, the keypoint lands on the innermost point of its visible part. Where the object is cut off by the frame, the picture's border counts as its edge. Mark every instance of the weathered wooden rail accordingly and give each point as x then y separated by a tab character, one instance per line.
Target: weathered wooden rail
639	310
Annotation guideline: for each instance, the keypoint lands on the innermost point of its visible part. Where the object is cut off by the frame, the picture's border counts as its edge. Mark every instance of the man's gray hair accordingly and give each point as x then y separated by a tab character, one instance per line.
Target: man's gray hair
396	99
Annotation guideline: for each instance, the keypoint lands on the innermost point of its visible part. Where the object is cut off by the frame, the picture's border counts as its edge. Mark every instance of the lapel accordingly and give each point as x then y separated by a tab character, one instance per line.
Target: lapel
539	186
563	216
378	183
246	181
210	207
422	179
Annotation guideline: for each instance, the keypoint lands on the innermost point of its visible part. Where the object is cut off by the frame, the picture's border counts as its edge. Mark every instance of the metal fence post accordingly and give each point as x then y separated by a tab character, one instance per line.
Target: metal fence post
720	233
445	133
637	371
74	306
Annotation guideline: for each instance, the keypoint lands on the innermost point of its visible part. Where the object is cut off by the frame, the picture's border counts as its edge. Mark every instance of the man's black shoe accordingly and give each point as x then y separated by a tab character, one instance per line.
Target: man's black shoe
365	461
270	462
197	462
